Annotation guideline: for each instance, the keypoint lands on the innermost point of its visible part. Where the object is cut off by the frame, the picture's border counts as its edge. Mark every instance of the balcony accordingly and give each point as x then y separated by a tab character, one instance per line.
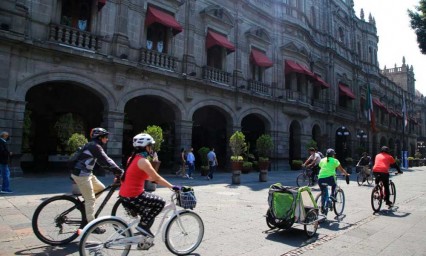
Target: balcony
259	87
216	75
73	37
159	60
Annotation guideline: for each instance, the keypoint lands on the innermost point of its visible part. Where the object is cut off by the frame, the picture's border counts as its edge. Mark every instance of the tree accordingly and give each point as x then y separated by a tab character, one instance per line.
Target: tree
418	24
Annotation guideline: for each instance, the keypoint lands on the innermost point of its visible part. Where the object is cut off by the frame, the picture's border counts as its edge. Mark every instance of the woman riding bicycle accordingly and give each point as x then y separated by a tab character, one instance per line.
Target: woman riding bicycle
132	192
383	161
327	176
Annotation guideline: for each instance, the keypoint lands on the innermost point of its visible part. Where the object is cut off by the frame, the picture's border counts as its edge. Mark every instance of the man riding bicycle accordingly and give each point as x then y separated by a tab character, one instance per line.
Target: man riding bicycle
327	176
382	163
313	163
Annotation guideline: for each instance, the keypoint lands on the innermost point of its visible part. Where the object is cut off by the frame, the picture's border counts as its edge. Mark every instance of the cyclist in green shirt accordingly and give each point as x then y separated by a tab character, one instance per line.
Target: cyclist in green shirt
327	175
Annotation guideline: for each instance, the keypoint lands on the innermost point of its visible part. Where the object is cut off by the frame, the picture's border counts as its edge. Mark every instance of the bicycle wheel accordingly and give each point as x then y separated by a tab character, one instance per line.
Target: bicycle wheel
119	211
392	191
56	220
302	180
360	178
376	199
311	222
108	243
370	179
184	233
339	203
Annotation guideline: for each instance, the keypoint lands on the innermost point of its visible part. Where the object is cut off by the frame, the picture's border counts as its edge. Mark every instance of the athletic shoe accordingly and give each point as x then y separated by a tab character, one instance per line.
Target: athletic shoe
99	230
187	176
8	191
389	203
190	178
208	178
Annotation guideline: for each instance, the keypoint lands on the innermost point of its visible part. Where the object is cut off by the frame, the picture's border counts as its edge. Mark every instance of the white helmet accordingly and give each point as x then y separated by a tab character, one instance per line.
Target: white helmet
142	140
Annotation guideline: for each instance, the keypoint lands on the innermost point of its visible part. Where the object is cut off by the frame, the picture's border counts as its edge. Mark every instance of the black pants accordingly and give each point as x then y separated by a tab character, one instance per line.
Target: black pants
315	171
384	178
146	205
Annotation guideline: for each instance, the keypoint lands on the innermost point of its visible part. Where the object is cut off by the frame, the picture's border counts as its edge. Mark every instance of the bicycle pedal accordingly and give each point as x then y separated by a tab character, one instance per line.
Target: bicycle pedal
145	245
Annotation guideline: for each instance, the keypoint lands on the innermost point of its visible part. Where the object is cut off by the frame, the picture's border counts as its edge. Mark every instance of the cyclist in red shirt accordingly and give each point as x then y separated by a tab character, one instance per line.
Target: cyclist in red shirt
382	164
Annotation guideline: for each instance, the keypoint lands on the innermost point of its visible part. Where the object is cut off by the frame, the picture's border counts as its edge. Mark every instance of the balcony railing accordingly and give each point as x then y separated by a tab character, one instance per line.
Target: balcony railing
259	87
74	37
216	75
157	59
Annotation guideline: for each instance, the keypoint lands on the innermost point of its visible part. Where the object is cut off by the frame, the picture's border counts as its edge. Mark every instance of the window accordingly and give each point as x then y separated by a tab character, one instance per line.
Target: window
215	56
157	38
257	72
341	35
76	14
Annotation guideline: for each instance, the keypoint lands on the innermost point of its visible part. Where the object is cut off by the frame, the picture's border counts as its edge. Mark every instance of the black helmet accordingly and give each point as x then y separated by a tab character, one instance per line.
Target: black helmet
98	132
384	149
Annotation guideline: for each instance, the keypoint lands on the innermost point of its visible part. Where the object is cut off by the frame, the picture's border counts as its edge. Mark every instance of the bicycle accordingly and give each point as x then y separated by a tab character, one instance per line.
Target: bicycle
57	220
364	175
335	202
305	178
182	233
378	195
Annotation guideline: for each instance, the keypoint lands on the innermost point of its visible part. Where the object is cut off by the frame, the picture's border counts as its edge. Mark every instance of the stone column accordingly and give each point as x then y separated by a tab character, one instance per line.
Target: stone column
183	133
120	38
189	64
114	123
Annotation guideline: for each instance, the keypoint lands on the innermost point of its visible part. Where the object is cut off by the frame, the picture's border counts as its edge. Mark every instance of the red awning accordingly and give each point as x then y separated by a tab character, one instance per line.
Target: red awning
293	67
101	4
346	91
214	38
260	59
154	15
378	103
320	82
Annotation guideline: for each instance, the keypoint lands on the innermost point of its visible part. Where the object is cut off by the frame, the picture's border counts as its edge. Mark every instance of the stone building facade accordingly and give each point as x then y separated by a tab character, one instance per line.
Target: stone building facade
297	70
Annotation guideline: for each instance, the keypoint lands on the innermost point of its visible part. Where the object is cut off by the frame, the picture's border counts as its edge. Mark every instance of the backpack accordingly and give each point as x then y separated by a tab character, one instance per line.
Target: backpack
73	159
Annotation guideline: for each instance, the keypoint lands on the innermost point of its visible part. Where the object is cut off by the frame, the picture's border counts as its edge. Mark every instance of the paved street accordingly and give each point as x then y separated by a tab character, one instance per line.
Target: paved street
234	220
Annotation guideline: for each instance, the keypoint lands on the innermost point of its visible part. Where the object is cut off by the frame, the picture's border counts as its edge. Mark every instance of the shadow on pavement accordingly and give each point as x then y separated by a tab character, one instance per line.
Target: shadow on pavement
294	236
50	250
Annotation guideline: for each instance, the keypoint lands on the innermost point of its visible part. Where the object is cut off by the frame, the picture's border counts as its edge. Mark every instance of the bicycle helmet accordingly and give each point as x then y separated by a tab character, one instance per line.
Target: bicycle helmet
98	132
384	149
330	152
143	140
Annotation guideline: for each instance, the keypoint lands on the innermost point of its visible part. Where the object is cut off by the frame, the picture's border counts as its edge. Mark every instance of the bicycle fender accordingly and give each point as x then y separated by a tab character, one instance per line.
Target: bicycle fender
163	235
90	224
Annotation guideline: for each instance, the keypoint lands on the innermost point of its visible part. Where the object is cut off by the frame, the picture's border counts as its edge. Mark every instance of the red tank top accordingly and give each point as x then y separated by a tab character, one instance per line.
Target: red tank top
134	183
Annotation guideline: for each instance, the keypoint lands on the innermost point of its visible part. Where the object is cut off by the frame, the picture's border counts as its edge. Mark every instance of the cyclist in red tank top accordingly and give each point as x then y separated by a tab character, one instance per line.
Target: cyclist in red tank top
382	164
132	191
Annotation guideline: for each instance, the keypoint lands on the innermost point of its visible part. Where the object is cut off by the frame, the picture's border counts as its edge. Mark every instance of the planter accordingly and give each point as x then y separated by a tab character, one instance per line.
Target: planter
264	165
205	170
149	186
236	165
263	175
236	177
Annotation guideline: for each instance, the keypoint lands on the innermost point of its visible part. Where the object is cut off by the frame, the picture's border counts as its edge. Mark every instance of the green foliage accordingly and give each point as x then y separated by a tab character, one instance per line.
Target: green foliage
247	164
410	158
157	133
203	155
296	164
263	159
264	146
311	144
418	155
237	142
418	24
75	141
237	158
349	160
26	131
65	126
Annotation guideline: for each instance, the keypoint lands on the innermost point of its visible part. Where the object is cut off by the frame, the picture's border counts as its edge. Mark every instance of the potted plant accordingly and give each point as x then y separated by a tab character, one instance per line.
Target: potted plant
157	134
204	161
247	166
264	147
74	142
237	143
296	164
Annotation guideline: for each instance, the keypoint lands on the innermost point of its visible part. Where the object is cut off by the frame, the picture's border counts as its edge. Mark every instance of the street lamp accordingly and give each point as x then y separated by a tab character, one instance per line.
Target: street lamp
362	136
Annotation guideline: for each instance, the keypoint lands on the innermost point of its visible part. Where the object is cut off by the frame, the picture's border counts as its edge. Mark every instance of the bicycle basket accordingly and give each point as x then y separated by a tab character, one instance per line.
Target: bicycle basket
186	199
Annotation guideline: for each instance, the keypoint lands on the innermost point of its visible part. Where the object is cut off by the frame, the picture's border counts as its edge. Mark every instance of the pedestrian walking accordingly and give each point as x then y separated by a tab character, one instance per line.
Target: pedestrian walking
211	157
190	161
182	166
5	155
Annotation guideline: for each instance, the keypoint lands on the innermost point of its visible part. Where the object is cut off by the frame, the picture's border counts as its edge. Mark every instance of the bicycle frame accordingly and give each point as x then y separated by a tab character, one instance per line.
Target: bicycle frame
135	239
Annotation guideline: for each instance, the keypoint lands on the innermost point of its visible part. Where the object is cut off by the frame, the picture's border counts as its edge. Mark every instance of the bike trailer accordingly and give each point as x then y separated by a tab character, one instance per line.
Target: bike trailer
290	203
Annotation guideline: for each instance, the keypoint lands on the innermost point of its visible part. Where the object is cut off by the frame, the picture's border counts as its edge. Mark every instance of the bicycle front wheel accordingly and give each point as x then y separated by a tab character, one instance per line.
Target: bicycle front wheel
370	179
360	178
339	203
376	199
302	180
184	233
56	220
392	191
111	242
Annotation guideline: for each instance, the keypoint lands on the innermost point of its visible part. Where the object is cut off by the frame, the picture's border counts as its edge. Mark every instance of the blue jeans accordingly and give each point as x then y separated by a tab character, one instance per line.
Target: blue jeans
323	184
212	169
191	168
5	174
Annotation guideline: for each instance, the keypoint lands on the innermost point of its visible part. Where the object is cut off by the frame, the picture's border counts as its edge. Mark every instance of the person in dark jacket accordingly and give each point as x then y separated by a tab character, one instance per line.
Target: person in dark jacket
4	162
82	173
